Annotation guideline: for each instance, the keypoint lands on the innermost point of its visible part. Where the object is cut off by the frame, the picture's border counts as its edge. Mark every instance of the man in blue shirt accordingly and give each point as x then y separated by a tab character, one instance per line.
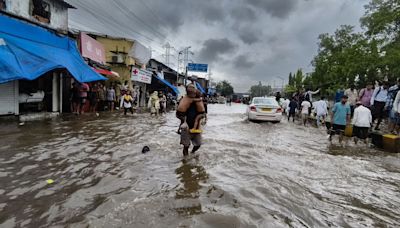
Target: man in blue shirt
378	103
340	118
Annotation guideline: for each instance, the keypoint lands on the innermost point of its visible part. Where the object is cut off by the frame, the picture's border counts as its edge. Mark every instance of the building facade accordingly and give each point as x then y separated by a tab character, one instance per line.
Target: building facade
37	58
48	13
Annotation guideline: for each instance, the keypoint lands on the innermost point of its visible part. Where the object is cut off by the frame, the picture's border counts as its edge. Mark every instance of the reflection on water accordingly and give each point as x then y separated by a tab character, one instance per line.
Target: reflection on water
191	177
245	175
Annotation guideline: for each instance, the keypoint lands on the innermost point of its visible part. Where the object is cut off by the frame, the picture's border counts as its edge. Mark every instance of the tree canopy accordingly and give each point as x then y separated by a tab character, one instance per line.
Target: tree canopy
260	90
347	57
224	88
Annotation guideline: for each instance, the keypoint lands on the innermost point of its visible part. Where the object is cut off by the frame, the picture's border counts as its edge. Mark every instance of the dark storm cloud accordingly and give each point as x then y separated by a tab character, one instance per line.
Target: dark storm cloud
213	13
249	36
264	37
276	8
244	13
242	62
213	49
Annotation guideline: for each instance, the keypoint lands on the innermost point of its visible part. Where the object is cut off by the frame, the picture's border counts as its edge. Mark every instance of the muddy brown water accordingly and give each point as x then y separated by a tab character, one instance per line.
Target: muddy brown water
246	175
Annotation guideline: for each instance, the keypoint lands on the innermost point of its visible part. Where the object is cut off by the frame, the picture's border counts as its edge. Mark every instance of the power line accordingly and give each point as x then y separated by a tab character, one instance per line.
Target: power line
127	9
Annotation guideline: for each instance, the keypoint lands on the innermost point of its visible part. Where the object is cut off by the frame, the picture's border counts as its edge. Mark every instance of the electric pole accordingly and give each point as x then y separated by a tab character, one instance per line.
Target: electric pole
168	54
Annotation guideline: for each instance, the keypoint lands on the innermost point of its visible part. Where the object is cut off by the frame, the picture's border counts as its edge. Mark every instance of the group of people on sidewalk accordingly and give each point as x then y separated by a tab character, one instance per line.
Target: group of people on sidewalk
96	96
364	109
101	97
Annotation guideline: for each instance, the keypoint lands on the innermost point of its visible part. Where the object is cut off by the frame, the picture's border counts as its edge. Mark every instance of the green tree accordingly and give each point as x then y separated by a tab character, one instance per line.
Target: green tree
224	88
260	90
290	81
298	79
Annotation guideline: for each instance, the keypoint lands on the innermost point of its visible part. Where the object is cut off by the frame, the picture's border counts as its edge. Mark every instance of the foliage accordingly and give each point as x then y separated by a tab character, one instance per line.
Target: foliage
260	90
224	88
347	57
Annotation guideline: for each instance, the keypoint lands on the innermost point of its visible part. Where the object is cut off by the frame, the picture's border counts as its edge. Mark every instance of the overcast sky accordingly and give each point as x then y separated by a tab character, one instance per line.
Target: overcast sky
243	41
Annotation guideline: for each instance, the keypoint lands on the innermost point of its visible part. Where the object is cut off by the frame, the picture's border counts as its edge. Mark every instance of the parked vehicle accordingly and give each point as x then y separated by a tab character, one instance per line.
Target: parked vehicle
264	109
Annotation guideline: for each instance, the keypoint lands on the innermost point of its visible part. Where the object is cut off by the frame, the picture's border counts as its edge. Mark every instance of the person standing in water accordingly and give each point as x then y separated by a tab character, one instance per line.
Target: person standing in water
340	118
190	111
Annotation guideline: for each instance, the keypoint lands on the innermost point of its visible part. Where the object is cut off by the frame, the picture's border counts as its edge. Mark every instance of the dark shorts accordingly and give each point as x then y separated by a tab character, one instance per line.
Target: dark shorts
82	100
378	110
338	129
360	132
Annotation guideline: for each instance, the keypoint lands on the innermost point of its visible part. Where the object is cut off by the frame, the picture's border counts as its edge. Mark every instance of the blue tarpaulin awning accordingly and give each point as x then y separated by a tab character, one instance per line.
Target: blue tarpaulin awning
199	87
28	51
176	91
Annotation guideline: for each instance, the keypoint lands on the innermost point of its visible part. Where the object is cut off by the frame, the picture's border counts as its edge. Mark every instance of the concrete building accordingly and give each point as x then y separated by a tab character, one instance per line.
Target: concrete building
37	30
48	13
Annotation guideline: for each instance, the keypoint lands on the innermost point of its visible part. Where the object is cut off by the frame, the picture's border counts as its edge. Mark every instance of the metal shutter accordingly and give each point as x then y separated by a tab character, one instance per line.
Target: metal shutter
7	98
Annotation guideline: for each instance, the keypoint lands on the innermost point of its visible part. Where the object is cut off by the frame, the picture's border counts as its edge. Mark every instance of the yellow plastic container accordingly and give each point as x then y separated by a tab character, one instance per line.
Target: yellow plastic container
348	131
391	143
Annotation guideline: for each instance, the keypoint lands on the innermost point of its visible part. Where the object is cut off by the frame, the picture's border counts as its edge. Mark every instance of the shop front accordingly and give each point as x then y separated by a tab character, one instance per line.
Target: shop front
34	63
140	79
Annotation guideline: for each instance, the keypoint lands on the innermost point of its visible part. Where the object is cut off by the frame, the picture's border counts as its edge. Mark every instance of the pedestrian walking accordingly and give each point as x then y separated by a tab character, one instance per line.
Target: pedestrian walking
285	106
305	111
101	94
392	92
163	102
118	94
111	97
396	110
292	109
127	102
352	93
154	104
309	93
340	118
365	95
92	96
83	93
189	111
321	111
74	97
378	103
362	121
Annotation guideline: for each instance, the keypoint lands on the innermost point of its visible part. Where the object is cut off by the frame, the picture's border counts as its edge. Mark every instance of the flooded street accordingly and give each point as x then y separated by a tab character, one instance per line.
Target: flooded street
245	175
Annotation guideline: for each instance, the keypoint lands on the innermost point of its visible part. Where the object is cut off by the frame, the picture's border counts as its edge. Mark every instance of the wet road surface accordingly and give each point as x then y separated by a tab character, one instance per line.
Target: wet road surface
246	175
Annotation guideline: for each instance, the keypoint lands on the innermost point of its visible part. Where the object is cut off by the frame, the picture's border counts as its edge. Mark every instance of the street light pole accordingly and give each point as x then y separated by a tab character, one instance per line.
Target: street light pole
283	81
177	69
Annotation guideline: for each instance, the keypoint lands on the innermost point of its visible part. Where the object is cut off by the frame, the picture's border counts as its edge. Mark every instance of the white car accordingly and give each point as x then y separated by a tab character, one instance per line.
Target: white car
265	109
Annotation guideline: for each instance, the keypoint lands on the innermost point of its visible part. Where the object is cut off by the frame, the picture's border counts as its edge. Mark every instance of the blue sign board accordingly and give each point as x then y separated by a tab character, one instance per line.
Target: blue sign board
197	67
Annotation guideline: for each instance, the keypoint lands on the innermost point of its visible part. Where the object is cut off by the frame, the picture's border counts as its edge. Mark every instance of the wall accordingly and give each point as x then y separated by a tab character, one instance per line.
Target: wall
58	18
123	46
114	45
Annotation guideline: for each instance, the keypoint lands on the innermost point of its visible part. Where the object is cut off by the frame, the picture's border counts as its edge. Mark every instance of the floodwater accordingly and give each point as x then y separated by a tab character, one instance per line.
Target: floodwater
245	175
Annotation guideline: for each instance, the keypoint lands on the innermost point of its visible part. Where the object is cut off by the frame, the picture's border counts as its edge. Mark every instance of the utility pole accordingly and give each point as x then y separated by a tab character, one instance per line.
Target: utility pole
186	53
167	54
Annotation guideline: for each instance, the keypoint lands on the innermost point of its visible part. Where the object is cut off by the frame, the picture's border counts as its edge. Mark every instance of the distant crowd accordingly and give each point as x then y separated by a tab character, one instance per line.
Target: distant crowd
96	96
364	108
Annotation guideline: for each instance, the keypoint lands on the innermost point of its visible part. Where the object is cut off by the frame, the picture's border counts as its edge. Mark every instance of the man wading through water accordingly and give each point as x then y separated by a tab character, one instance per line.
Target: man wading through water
190	111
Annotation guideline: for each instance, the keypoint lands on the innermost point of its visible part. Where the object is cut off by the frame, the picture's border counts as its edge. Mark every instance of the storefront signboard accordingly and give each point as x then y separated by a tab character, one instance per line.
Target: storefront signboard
141	75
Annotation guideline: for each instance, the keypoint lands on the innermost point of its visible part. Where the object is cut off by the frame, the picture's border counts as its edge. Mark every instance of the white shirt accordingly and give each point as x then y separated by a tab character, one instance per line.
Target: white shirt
310	93
362	117
396	103
381	96
321	108
285	103
305	105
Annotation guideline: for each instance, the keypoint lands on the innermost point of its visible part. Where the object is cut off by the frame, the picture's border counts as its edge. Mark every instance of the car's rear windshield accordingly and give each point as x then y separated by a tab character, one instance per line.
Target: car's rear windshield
265	101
